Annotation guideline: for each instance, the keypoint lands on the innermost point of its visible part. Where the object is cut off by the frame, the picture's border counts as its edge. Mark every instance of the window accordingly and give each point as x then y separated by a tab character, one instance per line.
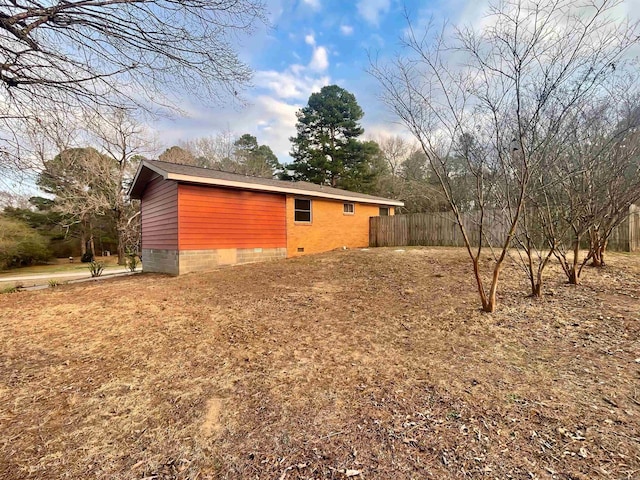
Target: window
384	211
349	209
302	210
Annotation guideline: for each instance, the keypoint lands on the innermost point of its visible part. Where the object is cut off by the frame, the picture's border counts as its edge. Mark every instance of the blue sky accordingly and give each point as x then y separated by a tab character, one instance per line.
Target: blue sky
311	43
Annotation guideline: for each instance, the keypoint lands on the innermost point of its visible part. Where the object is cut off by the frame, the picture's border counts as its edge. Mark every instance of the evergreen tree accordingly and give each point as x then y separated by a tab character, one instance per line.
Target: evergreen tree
326	149
254	159
83	182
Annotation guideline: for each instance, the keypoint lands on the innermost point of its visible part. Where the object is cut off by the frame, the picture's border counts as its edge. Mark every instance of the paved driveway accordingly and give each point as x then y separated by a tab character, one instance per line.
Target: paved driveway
43	278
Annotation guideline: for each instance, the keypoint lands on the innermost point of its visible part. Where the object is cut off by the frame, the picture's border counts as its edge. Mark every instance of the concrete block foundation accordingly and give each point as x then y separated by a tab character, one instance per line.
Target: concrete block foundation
177	262
160	261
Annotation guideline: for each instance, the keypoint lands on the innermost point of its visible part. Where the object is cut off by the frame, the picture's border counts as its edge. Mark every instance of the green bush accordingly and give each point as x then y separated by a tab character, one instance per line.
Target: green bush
21	245
87	257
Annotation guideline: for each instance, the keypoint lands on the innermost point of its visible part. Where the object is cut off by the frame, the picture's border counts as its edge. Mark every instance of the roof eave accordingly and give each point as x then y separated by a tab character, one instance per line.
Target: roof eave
270	188
138	185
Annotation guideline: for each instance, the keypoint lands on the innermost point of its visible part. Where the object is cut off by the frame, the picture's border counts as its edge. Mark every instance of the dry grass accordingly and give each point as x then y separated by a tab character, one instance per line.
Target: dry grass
375	364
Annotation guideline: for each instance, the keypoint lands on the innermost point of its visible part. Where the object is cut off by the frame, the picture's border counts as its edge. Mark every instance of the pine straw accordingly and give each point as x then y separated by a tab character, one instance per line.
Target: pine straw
375	364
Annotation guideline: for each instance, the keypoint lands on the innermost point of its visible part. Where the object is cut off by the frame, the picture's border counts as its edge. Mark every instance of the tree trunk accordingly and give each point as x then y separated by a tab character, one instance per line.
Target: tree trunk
537	290
121	249
574	279
83	241
483	296
534	281
491	303
121	228
573	273
597	256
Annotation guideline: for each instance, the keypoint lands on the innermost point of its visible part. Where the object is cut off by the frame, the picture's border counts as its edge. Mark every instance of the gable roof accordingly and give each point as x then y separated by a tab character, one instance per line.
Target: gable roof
205	176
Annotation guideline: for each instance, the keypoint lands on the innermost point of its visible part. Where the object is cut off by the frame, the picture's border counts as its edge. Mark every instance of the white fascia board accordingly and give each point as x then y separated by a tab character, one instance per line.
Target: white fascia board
158	170
142	165
270	188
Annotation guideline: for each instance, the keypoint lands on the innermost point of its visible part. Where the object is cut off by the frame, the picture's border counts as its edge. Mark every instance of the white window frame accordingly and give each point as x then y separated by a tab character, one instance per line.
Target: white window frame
348	204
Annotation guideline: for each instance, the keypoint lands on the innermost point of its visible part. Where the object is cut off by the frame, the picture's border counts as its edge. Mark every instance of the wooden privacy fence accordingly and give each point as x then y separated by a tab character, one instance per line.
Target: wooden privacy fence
634	228
441	229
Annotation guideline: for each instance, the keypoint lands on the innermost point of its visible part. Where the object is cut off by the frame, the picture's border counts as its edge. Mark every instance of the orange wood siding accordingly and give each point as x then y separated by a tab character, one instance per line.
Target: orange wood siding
330	228
215	217
159	214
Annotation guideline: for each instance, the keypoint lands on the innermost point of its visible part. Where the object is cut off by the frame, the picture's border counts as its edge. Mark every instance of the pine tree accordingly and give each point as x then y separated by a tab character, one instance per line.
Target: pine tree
326	149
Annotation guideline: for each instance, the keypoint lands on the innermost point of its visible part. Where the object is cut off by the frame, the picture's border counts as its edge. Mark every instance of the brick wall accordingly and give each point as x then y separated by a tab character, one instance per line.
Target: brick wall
330	227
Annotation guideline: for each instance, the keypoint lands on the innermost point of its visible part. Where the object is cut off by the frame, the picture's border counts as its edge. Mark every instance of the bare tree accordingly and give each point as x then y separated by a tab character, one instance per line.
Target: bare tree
507	90
81	54
619	154
214	151
92	182
119	136
395	150
596	181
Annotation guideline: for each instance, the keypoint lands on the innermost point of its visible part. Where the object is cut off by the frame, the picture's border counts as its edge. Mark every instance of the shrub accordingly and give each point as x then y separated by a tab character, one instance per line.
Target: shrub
20	245
53	283
96	268
132	261
87	257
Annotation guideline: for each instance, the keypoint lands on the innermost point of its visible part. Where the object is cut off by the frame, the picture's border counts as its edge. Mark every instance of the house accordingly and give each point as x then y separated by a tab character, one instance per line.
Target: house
196	218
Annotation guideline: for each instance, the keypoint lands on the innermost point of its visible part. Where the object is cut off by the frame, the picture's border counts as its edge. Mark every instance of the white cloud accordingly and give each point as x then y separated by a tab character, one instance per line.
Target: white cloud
371	10
293	84
319	60
346	29
279	125
314	4
272	105
271	120
380	131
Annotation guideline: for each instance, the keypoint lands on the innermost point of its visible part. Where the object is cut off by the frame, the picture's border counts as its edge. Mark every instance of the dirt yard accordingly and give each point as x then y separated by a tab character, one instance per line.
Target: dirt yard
359	364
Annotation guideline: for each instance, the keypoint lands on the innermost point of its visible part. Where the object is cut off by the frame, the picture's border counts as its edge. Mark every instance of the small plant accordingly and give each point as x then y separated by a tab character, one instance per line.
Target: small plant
13	289
513	398
132	261
53	283
453	415
96	268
